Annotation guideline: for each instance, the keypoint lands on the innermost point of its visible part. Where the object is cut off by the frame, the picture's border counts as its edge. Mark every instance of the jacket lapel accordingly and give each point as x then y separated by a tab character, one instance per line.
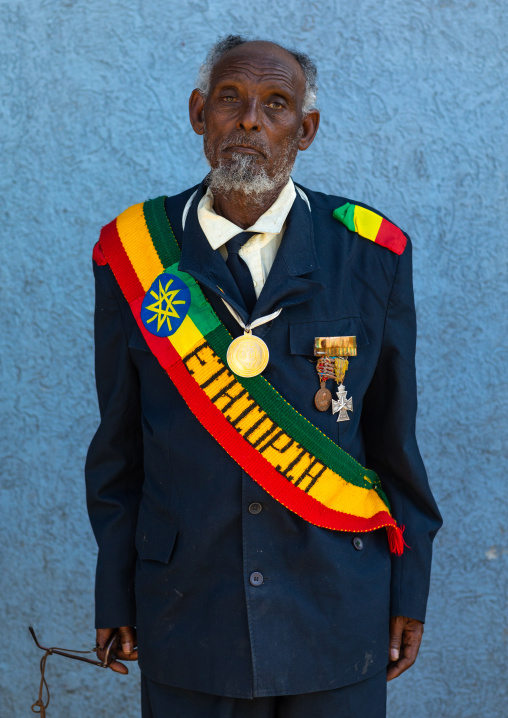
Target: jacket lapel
285	286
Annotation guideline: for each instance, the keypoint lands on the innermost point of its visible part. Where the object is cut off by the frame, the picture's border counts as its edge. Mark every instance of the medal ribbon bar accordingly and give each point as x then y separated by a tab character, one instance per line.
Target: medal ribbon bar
335	346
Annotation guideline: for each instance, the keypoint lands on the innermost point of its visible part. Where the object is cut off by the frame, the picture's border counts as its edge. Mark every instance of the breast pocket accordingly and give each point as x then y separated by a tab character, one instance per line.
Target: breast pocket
301	338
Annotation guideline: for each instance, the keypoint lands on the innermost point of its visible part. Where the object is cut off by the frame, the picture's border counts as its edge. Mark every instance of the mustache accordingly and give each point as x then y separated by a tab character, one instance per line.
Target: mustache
243	140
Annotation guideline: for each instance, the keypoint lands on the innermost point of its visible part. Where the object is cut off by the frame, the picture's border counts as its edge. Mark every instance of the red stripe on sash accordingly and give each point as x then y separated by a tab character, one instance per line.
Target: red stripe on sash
120	263
160	347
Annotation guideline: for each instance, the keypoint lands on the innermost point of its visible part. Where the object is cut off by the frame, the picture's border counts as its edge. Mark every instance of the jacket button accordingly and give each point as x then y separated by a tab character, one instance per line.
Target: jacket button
255	508
256	578
358	543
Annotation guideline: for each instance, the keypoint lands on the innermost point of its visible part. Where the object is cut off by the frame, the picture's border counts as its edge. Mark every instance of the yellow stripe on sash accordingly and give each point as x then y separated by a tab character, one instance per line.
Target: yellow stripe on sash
351	500
135	237
186	337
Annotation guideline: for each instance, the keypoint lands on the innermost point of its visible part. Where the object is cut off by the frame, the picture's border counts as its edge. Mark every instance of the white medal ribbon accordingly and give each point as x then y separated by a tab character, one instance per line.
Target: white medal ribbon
256	323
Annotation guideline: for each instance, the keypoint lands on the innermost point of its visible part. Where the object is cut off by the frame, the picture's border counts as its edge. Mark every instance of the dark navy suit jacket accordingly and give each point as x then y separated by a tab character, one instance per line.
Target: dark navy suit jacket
169	508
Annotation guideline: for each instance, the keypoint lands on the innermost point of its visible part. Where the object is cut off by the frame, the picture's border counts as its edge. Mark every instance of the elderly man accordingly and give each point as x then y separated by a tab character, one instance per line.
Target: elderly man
249	524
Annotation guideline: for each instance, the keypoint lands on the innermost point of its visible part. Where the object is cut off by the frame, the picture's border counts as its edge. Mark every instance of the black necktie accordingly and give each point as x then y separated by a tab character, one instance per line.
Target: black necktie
239	269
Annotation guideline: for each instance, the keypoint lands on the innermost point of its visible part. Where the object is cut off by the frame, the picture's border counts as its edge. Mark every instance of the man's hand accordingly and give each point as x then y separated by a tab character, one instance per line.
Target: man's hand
126	646
405	638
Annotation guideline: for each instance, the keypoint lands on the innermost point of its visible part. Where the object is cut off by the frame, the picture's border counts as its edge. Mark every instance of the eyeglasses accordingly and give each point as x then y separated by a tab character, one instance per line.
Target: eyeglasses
109	657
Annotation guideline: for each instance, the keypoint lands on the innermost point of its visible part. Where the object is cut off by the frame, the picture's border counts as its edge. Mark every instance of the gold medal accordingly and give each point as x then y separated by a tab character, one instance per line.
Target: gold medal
247	355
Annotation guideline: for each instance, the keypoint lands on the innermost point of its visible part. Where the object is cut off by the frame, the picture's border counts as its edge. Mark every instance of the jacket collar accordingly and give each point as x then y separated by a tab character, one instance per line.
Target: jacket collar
285	285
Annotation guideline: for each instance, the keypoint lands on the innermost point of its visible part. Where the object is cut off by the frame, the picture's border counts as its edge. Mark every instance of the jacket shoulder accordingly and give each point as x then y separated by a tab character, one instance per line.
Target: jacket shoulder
361	219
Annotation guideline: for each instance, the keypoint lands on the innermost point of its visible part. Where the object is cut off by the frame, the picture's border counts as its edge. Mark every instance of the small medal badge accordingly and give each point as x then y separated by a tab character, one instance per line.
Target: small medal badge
333	364
323	397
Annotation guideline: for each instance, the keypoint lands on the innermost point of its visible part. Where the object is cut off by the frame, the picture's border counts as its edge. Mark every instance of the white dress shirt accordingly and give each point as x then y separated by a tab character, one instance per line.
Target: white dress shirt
260	250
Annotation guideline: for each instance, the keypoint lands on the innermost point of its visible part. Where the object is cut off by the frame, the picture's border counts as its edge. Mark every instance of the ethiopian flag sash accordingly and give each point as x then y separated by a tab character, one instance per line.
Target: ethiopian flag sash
286	454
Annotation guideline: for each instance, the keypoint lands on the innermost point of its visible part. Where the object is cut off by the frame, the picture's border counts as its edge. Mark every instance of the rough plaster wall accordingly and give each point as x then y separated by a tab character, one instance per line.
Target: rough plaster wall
93	118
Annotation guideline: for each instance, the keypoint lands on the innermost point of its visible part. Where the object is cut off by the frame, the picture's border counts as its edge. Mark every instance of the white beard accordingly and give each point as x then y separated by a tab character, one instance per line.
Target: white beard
242	172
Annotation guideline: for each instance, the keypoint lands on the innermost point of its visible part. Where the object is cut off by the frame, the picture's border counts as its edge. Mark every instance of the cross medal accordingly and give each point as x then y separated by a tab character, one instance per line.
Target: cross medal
342	405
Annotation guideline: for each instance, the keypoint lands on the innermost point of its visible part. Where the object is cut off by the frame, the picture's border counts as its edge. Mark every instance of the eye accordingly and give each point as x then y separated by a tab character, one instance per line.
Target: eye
275	105
228	98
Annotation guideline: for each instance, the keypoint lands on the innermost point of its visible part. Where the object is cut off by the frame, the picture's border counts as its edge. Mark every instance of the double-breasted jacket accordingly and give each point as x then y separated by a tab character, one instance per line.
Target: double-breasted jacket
181	527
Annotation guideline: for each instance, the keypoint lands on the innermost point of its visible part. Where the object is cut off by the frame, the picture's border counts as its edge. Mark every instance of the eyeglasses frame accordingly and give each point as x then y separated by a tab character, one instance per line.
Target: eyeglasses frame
109	655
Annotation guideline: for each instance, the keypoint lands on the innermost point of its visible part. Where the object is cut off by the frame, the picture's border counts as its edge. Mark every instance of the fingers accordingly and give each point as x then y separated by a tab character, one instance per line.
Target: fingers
133	656
397	624
405	639
118	667
124	647
395	669
127	636
102	635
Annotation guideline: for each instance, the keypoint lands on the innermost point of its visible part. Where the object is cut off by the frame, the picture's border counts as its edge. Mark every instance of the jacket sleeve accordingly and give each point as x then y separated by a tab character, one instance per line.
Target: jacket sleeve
388	419
114	463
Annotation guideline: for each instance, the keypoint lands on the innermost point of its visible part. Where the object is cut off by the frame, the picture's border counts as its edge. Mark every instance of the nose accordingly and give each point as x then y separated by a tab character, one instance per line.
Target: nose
249	117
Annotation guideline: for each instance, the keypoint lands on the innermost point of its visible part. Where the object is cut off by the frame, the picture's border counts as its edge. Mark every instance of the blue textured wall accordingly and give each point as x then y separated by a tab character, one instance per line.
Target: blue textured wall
93	118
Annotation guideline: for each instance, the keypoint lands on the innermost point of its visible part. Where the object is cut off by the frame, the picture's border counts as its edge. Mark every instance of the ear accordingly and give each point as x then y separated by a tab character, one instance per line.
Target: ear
310	124
196	107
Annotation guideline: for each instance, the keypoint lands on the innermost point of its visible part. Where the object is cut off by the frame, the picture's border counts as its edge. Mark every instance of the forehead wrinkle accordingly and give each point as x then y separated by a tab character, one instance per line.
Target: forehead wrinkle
256	73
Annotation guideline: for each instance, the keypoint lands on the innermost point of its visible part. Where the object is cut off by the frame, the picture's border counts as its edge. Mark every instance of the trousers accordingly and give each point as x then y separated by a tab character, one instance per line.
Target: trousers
366	699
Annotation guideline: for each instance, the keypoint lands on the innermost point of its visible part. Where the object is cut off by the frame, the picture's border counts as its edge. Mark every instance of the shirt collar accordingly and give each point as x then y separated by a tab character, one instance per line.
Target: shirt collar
219	230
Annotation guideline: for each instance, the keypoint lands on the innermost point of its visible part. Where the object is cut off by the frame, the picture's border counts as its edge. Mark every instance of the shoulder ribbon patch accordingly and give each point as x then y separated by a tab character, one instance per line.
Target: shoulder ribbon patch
372	226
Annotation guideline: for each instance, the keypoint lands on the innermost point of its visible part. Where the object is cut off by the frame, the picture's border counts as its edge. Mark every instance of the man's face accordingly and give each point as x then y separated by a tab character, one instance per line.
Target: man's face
252	116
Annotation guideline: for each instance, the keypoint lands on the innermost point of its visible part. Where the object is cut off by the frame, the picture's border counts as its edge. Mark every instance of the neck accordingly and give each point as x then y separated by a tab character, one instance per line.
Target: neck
244	209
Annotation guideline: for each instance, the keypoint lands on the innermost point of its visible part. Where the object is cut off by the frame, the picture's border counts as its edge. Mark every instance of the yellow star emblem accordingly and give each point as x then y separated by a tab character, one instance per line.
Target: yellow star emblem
164	306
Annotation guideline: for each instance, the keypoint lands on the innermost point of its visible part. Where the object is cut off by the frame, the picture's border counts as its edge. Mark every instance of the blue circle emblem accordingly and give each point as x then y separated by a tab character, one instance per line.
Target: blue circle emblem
165	305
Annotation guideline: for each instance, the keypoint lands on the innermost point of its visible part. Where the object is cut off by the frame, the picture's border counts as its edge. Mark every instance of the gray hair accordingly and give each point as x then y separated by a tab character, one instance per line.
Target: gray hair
225	44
